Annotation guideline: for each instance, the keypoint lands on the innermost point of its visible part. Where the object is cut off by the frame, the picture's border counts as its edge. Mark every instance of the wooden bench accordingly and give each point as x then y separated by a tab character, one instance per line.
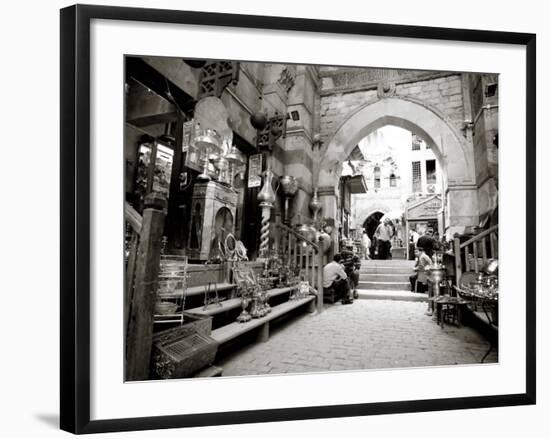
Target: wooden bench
236	329
229	304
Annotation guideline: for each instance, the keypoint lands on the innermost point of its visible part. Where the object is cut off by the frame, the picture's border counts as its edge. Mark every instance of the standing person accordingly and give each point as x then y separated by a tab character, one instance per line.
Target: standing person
438	245
414	236
365	243
352	265
419	281
383	235
413	239
335	277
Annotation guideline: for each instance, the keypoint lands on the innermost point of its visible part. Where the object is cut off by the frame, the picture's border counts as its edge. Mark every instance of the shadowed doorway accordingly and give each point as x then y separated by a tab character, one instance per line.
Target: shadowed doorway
370	225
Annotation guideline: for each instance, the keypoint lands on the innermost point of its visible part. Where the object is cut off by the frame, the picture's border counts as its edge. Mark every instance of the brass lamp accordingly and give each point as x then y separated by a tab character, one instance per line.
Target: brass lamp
209	143
235	161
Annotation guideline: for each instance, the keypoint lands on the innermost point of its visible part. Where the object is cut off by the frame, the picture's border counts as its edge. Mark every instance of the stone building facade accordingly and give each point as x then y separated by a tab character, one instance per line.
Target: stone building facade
325	113
440	107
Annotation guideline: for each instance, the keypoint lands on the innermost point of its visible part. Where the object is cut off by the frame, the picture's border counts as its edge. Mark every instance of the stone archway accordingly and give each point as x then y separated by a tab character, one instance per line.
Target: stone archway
454	153
371	222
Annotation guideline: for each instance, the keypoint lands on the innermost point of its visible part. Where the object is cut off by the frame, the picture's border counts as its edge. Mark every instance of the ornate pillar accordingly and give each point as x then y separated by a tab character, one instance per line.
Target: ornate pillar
266	199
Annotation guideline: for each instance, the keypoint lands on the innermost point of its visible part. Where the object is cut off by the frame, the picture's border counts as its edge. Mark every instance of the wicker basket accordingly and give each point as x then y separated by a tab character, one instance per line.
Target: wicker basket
192	323
181	351
182	356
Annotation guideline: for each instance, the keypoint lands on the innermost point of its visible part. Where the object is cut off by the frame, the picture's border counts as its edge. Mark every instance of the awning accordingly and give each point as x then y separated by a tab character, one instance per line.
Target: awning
358	184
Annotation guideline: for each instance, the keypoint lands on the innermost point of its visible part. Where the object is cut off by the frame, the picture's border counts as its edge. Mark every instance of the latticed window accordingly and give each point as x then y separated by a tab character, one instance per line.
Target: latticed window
215	77
416	142
416	177
376	177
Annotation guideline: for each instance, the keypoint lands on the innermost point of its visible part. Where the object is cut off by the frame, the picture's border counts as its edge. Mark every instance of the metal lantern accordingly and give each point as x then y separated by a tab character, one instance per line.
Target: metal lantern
209	143
208	139
258	120
221	163
234	158
235	161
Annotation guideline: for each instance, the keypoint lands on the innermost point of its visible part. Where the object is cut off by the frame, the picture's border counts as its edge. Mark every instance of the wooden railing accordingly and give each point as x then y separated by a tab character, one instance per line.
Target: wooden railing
300	251
142	270
476	251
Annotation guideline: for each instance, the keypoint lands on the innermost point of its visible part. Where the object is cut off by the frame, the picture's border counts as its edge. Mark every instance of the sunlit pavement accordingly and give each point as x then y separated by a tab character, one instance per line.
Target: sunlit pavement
368	334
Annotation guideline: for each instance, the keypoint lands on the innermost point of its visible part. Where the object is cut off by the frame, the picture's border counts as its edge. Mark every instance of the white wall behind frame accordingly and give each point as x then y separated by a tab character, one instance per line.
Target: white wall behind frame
112	398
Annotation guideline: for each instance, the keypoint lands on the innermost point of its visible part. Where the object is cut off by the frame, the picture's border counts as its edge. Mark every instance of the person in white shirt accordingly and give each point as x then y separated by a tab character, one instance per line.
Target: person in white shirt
383	234
365	243
335	277
415	236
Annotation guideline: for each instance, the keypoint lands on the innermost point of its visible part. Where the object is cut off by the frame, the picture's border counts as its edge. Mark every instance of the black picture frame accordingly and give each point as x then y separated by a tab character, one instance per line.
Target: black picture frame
75	217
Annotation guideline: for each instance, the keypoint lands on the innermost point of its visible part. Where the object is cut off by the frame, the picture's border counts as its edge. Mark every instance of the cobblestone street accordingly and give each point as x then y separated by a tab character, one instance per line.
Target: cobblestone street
368	334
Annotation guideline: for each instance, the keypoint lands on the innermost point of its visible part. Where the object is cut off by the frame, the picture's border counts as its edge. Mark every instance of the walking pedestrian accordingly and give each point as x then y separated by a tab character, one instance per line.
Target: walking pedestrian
384	233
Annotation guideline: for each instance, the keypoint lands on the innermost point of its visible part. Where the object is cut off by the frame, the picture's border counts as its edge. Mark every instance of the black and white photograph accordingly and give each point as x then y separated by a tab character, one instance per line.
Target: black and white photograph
301	219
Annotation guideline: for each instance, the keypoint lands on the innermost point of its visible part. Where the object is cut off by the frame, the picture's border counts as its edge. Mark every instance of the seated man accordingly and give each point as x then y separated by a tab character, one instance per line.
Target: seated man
335	277
352	265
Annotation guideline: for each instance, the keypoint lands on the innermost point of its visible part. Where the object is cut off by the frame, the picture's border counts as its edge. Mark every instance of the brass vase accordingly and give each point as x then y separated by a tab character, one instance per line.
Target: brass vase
315	204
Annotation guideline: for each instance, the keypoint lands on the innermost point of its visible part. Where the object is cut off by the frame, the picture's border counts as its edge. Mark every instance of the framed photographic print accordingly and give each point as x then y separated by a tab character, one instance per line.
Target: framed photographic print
308	207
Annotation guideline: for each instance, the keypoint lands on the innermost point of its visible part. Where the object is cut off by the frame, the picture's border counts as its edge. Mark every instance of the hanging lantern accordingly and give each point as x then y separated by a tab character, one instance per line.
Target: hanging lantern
258	120
234	157
276	130
220	163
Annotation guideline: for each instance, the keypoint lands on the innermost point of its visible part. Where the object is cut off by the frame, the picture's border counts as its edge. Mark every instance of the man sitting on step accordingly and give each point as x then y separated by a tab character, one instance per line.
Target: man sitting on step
352	265
335	277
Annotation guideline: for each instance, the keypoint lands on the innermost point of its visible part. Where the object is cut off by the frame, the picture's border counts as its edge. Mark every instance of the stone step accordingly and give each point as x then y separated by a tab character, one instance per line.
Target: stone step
386	270
392	295
387	263
399	253
378	277
403	286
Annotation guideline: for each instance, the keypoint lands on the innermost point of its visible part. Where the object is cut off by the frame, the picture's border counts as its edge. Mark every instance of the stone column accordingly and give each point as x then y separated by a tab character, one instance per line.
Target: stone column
462	208
298	156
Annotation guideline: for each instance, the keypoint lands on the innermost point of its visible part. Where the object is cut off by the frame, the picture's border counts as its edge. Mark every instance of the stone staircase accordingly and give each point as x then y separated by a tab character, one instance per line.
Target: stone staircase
390	275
